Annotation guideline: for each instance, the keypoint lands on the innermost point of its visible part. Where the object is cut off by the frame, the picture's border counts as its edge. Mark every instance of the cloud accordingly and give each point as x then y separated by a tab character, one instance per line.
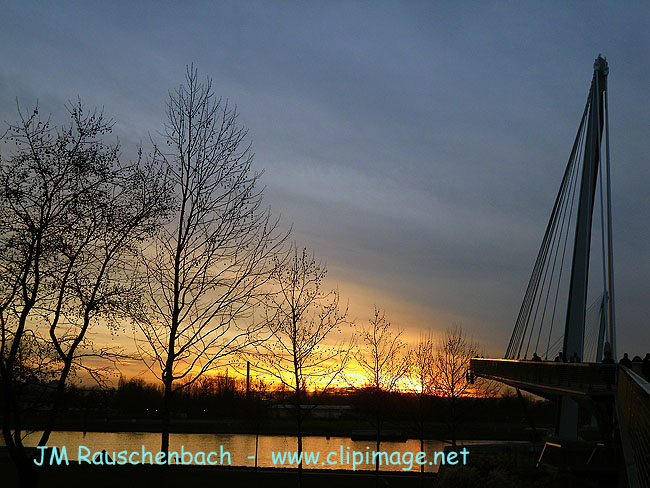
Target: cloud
417	148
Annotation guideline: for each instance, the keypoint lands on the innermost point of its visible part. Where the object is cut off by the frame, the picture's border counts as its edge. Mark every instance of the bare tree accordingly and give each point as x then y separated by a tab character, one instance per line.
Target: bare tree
452	379
72	220
205	269
383	359
302	319
420	378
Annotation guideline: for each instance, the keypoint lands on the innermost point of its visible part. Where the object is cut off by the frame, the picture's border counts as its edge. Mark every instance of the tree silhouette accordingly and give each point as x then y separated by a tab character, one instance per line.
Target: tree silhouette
72	219
206	268
383	359
451	380
421	378
301	320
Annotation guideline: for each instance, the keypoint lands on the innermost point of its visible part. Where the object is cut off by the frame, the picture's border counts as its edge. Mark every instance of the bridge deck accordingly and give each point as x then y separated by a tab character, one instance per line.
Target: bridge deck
574	379
629	391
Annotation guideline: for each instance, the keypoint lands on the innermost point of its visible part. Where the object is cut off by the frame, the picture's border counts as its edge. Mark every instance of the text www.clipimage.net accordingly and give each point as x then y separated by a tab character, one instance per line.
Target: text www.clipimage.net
346	457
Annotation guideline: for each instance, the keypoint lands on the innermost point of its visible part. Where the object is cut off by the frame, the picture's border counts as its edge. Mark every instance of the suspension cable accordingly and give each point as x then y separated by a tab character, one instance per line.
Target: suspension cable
521	324
566	239
572	182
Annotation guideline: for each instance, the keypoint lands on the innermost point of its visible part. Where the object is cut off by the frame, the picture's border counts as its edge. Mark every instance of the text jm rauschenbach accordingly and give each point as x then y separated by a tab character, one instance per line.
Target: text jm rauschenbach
341	457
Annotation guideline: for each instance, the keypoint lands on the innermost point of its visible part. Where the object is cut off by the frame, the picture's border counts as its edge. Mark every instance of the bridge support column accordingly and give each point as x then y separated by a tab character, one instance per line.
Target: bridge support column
567	426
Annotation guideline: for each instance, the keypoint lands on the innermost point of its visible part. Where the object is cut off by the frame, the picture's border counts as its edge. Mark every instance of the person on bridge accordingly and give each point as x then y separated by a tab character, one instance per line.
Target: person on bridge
645	367
608	358
574	358
560	358
535	357
625	361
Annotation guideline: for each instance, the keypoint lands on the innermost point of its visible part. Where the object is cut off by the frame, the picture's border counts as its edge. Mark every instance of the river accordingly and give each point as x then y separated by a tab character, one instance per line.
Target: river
242	448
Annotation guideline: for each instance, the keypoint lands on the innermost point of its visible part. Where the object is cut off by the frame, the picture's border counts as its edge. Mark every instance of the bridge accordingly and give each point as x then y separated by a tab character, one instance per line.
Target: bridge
584	377
550	379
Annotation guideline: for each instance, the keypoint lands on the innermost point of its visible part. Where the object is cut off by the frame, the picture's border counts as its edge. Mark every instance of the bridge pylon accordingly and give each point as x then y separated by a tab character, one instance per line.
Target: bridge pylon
574	332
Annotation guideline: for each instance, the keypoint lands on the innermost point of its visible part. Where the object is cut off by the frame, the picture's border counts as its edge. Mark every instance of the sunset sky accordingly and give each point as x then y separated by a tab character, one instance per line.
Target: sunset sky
417	147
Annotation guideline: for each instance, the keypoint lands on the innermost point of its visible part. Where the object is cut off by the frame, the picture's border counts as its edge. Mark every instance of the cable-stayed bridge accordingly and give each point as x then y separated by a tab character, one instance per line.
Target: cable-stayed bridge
563	346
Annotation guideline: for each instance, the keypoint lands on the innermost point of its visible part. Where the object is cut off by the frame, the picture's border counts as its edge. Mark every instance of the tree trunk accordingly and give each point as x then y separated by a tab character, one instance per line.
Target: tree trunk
298	404
11	427
378	447
27	473
453	423
58	399
299	449
378	458
422	450
421	425
165	420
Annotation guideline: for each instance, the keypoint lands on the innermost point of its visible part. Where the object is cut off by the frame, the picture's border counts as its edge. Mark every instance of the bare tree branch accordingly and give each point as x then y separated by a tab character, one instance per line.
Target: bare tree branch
71	221
301	320
205	271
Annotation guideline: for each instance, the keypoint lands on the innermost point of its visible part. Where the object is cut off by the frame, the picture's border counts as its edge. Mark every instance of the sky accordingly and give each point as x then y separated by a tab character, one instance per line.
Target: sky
416	147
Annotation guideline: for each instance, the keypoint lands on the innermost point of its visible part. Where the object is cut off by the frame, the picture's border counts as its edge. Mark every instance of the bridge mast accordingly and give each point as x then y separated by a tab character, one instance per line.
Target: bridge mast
610	248
577	304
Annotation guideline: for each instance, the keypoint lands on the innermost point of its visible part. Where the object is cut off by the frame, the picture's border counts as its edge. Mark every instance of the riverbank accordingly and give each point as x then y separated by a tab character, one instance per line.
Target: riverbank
83	476
503	431
76	476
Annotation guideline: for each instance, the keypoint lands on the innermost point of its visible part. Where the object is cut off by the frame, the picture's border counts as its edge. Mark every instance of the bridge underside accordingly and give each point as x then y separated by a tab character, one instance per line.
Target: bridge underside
610	390
580	381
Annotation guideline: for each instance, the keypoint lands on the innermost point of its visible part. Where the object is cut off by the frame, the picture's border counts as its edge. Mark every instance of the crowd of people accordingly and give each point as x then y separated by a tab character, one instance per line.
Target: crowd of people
645	364
607	359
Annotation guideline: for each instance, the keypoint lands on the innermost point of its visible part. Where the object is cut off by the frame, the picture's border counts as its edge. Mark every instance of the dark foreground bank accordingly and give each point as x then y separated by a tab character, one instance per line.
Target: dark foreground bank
75	476
189	476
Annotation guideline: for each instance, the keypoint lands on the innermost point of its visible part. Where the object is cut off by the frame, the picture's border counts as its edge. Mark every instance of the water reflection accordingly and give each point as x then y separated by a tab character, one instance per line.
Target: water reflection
240	446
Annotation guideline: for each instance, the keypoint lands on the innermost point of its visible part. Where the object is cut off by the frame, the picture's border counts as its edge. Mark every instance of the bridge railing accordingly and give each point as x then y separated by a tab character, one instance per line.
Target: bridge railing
580	378
634	402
